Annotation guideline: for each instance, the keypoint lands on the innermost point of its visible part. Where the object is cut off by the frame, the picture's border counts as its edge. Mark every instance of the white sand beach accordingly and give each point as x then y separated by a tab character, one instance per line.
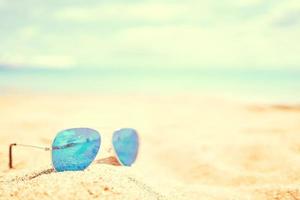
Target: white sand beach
192	147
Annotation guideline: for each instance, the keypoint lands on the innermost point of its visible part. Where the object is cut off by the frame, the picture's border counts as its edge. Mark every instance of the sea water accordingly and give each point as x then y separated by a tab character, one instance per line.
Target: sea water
277	85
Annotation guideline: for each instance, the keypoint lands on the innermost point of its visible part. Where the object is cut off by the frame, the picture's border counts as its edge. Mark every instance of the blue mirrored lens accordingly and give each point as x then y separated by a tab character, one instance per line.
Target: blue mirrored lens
126	144
75	149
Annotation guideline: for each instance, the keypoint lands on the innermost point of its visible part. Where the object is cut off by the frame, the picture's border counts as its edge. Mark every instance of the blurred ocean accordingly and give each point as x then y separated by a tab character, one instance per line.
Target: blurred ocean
250	85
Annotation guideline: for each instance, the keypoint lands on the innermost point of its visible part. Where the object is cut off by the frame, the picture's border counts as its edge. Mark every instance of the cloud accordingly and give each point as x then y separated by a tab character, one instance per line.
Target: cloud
290	19
181	46
151	12
29	32
192	33
164	13
38	61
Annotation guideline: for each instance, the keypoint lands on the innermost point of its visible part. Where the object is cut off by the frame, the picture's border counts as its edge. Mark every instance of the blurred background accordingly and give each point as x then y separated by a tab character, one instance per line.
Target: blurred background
239	49
213	88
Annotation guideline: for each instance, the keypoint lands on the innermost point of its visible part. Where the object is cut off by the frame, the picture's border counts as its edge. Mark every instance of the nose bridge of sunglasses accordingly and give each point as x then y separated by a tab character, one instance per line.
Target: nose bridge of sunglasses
107	146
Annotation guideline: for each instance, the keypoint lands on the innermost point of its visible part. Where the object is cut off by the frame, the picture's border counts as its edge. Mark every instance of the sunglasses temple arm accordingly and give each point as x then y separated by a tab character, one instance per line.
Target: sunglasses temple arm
22	145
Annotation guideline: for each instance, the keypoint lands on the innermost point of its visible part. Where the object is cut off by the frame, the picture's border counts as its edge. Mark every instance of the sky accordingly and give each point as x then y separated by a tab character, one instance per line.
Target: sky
150	34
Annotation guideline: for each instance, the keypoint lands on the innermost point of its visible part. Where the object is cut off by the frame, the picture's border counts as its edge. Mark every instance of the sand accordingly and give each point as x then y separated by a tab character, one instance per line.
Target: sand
192	147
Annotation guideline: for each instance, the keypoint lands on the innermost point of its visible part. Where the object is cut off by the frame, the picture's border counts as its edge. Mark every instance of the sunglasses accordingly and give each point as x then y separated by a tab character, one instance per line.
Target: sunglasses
76	148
